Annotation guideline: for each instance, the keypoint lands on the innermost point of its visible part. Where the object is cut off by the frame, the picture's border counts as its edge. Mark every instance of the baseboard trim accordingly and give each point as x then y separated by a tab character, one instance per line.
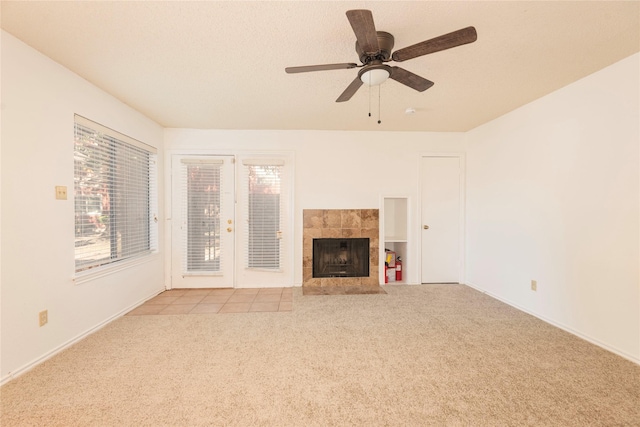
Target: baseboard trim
26	368
560	325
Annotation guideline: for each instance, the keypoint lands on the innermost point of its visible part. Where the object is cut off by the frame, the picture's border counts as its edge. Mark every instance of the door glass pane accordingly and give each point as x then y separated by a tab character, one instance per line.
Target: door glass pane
263	246
203	206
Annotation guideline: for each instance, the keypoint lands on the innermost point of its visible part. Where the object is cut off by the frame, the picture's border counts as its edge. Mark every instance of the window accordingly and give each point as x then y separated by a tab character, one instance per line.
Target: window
114	193
263	179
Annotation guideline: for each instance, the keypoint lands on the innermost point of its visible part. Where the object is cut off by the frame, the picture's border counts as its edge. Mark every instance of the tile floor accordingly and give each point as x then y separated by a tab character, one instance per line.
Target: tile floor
227	300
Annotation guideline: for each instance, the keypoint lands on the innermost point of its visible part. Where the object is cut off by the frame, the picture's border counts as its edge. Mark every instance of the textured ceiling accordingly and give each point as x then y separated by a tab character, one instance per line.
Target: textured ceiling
221	64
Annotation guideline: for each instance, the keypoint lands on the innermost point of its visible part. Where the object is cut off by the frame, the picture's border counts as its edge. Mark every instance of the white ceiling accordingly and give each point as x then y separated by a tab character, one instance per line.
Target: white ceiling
220	64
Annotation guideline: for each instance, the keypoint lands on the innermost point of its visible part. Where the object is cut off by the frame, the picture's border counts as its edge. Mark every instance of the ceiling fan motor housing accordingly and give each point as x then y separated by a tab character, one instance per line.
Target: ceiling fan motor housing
385	42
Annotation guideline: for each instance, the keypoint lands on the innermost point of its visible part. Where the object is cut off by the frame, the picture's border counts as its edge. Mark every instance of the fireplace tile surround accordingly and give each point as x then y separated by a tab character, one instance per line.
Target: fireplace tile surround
336	223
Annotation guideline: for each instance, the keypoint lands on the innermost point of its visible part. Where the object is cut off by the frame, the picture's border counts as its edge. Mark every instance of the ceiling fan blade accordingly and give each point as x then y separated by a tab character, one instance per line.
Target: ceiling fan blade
350	90
446	41
307	68
407	78
361	21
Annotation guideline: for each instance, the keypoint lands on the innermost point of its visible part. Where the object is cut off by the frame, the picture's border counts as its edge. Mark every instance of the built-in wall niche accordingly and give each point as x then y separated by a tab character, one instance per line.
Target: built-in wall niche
395	212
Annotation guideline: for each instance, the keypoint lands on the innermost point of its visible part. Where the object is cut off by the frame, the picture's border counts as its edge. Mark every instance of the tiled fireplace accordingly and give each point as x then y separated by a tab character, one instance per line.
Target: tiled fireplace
340	225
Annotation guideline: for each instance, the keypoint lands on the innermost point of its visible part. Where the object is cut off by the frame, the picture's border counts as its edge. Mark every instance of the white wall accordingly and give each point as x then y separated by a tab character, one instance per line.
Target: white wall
553	195
334	169
39	99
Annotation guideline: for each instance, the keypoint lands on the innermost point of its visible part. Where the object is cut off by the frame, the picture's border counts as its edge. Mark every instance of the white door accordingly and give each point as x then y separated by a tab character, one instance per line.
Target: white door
203	229
441	219
264	237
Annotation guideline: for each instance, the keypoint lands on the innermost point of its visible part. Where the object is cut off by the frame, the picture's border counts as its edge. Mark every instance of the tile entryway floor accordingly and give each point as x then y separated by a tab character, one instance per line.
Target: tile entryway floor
227	300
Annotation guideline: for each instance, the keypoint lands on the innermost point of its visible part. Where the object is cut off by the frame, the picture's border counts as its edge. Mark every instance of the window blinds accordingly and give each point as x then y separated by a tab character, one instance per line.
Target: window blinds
201	207
114	193
263	178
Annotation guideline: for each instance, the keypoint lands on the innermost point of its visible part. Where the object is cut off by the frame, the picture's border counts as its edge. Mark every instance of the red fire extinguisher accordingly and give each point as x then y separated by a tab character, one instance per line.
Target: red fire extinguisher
398	269
386	278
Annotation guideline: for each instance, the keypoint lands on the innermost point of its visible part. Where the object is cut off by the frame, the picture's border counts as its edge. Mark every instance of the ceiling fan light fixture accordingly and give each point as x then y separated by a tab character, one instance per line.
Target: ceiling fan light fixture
375	76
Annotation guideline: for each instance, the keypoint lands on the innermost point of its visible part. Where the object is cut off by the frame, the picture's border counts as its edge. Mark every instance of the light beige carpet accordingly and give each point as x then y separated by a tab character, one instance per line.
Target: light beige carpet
429	355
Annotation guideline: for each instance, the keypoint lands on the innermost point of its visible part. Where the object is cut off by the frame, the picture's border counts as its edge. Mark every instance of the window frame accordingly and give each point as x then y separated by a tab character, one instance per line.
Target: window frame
150	196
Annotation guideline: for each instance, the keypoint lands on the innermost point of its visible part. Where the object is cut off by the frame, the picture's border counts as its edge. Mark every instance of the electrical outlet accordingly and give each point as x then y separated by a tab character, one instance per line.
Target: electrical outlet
534	285
44	317
61	192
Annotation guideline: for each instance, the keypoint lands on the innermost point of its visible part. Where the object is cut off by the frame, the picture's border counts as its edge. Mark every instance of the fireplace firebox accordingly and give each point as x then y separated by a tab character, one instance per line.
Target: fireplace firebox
341	257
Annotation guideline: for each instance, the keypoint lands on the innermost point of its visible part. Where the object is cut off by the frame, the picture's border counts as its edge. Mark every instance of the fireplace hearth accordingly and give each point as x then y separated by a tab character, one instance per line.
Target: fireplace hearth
342	257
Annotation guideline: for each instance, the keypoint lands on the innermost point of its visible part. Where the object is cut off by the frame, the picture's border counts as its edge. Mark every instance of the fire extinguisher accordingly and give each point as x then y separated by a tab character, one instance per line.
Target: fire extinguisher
386	278
398	269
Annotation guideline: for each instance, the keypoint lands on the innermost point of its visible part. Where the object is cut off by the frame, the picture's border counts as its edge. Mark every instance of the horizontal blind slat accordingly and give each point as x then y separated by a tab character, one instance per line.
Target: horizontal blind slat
111	133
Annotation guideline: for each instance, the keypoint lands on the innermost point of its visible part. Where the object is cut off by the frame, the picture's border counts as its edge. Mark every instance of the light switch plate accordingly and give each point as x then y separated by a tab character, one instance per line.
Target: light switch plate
61	192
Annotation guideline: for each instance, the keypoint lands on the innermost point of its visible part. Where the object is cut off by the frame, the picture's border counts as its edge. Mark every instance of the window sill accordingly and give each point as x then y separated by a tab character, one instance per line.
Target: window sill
107	270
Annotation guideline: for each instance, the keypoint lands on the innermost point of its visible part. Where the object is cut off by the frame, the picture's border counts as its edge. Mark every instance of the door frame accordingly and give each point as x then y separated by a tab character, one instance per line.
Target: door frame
237	154
208	278
462	221
246	277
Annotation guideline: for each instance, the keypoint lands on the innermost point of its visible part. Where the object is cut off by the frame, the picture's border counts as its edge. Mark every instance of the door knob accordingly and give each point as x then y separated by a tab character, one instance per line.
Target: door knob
426	227
229	229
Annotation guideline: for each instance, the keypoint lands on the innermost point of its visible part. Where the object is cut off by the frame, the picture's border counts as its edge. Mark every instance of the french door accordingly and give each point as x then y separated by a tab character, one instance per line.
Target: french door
230	222
203	222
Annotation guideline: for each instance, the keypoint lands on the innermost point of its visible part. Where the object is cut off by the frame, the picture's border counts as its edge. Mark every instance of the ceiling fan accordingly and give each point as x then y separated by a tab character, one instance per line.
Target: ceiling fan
374	49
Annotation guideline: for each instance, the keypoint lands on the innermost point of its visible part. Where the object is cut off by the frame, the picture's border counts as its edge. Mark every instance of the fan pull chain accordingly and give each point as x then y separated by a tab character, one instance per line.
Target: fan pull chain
379	98
369	94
